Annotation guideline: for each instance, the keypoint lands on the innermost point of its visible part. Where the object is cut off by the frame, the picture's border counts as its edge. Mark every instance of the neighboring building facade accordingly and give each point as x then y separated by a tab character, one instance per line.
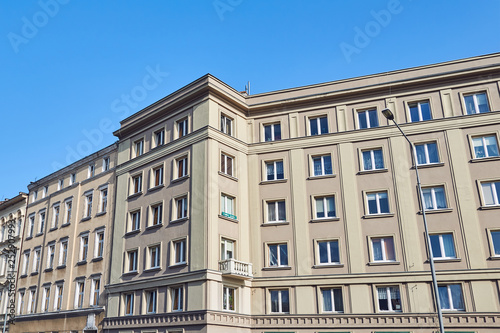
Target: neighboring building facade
66	245
297	210
12	213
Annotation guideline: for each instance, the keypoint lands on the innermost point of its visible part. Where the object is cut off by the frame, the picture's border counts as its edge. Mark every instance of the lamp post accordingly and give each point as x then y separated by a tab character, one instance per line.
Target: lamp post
390	116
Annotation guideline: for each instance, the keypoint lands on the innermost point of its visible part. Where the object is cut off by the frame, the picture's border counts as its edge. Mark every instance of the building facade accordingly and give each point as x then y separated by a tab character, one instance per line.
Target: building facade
66	245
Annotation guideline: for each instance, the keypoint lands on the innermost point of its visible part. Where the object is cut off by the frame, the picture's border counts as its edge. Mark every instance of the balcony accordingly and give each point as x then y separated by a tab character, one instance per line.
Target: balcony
236	268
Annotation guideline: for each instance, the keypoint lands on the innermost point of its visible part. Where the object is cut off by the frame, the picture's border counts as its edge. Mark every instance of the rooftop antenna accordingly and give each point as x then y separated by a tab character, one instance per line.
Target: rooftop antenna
247	88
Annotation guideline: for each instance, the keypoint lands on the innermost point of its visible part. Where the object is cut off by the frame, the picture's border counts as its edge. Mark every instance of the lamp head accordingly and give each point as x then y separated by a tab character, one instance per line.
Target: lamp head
388	114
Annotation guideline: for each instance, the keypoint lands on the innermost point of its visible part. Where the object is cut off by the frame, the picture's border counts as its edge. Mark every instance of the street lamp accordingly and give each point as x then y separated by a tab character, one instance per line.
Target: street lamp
390	116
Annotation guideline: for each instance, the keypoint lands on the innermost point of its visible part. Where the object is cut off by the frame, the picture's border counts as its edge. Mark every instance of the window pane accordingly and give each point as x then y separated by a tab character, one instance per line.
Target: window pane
284	301
273	255
334	251
270	171
384	203
421	159
327	300
362	120
379	159
495	238
324	125
373	118
389	249
433	153
327	160
277	132
383	302
279	170
367	160
372	203
488	194
268	133
491	145
449	248
314	126
323	252
435	246
482	103
395	299
469	104
427	194
320	211
330	203
479	150
271	211
283	255
440	198
414	113
274	301
443	297
337	297
377	250
456	296
229	166
317	166
281	211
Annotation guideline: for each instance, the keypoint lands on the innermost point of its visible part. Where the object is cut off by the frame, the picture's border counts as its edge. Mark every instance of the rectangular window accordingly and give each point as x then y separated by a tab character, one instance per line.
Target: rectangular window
182	127
182	167
383	249
41	224
276	211
278	255
389	298
157	214
84	247
272	132
58	297
226	164
325	207
36	260
132	260
495	240
491	193
328	252
45	189
318	125
226	125
322	165
26	259
373	159
91	171
63	253
60	184
419	111
45	299
159	138
427	153
227	206
450	297
274	170
95	292
228	298
442	246
226	249
99	244
138	148
136	184
103	200
332	300
158	176
51	251
135	220
485	146
177	298
72	179
154	256
179	248
35	196
32	301
280	302
105	164
55	216
31	225
129	304
476	103
88	206
151	296
20	302
181	208
434	198
67	216
79	294
367	119
377	203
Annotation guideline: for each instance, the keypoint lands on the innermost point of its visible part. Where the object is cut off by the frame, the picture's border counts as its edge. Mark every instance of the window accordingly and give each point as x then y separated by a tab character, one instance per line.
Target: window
278	255
367	119
154	256
373	159
328	252
72	179
442	246
434	198
63	252
318	125
276	211
377	203
157	215
84	247
60	184
322	165
41	224
35	196
427	153
280	302
485	146
476	103
226	164
55	216
95	291
91	171
32	301
450	297
491	193
45	299
226	125
58	297
182	127
495	240
103	200
159	138
135	220
182	166
138	148
181	208
51	251
26	259
226	249
129	304
31	225
105	164
177	298
99	244
389	298
151	296
136	184
20	302
132	260
45	189
36	260
325	207
157	176
79	293
228	298
88	206
272	132
419	111
227	206
332	300
179	248
274	170
383	249
67	216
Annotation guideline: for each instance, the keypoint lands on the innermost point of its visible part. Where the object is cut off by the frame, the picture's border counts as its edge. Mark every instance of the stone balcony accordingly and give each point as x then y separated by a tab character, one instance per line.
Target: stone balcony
236	268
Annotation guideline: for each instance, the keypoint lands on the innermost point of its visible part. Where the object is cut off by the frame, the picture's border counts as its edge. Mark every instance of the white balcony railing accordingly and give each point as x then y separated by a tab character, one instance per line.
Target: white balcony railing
236	268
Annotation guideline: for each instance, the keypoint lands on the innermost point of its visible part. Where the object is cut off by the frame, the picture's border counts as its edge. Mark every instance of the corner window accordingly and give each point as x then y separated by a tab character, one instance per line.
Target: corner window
450	297
276	211
328	252
377	203
389	299
278	255
272	132
332	300
373	159
383	249
226	164
442	246
138	148
227	206
228	298
491	193
318	125
322	165
476	103
367	119
419	111
427	153
280	302
434	198
324	207
274	170
485	146
226	125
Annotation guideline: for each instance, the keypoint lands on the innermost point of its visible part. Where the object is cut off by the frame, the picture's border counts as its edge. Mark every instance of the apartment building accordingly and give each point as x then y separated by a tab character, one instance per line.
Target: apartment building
297	210
12	213
65	248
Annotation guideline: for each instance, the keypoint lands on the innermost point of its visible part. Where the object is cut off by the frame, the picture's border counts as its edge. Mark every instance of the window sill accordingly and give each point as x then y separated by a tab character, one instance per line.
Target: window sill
428	165
274	181
133	195
436	211
100	214
81	262
156	188
154	226
485	159
29	237
23	276
130	273
39	234
494	258
133	232
376	216
436	260
34	273
178	264
180	179
381	263
489	207
154	269
228	218
52	229
271	224
85	218
328	266
228	176
328	219
65	225
97	259
277	268
365	172
182	219
322	176
61	267
46	270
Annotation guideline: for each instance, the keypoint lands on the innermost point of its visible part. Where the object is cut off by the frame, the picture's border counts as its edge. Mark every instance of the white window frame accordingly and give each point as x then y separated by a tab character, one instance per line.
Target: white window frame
224	120
37	258
132	260
273	131
79	294
495	252
372	159
418	104
20	302
181	208
324	199
151	300
105	164
68	205
32	301
84	247
387	292
226	202
103	199
58	296
317	119
426	151
226	298
91	171
51	253
434	198
139	147
182	127
41	221
179	305
476	104
26	260
63	252
31	226
385	255
134	220
228	249
45	190
450	297
323	168
365	113
442	247
154	250
378	201
99	243
331	291
159	137
157	174
95	291
181	167
275	170
280	300
274	205
483	141
56	210
60	184
156	215
330	259
72	179
136	184
224	164
128	311
278	252
87	211
183	251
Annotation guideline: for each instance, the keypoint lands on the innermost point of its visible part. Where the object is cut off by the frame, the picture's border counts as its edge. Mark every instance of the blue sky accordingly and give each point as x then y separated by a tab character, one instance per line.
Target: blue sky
66	64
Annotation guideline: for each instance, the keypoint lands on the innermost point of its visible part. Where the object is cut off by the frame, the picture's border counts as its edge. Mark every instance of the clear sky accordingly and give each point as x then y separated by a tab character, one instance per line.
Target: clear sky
67	66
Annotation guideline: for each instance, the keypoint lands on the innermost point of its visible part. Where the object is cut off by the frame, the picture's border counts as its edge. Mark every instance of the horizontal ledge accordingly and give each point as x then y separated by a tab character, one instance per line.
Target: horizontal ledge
381	263
274	181
376	216
333	175
366	172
